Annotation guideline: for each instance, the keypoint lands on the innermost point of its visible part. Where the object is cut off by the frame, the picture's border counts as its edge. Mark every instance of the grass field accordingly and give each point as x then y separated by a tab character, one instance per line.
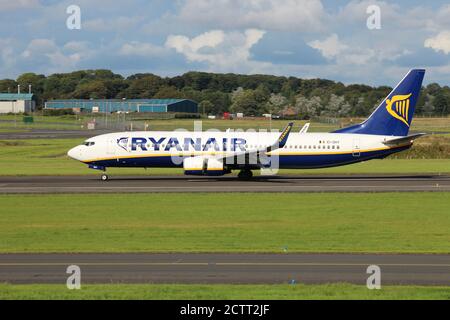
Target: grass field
397	222
222	292
69	122
48	157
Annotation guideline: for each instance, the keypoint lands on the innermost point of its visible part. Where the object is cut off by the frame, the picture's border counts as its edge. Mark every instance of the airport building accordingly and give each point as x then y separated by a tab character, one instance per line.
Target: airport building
16	103
125	105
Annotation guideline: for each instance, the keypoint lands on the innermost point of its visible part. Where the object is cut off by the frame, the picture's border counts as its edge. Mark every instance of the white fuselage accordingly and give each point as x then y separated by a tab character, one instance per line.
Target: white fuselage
302	150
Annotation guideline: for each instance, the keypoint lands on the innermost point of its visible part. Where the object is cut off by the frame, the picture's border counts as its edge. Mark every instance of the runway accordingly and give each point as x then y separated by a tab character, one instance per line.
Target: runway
225	268
153	184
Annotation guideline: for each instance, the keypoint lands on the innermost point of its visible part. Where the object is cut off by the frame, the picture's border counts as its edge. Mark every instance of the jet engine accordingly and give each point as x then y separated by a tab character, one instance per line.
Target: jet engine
203	166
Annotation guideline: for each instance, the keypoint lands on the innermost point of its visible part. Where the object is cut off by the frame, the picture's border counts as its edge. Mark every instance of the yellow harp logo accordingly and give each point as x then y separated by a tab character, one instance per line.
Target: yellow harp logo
398	107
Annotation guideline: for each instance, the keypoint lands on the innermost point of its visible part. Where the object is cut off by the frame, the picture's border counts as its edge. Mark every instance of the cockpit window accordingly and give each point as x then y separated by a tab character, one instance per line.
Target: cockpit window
89	143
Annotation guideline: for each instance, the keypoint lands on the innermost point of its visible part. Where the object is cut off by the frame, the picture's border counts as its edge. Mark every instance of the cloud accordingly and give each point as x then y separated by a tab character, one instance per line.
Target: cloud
330	48
440	42
46	54
298	15
6	5
221	51
136	48
108	25
190	47
8	57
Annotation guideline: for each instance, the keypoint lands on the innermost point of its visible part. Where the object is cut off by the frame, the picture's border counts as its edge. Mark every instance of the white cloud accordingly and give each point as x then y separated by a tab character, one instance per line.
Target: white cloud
440	42
39	46
220	50
18	4
356	11
46	54
76	46
136	48
8	57
116	24
292	15
190	47
330	48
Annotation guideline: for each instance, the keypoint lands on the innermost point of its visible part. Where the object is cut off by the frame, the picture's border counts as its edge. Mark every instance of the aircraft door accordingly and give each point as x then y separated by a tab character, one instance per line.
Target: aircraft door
356	148
111	146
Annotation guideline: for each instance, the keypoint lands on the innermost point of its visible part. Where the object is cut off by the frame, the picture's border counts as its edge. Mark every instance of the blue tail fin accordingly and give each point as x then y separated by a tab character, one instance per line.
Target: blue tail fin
394	115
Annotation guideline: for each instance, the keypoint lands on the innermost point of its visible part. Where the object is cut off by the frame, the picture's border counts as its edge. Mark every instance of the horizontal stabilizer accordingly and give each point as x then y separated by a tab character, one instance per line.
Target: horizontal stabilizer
403	140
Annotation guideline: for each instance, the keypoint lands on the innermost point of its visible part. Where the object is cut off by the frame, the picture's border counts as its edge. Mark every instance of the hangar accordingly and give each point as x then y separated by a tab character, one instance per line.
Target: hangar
16	103
126	105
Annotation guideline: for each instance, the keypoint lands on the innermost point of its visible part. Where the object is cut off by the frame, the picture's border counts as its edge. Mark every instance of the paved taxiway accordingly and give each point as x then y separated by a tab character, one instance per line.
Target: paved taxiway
147	184
225	268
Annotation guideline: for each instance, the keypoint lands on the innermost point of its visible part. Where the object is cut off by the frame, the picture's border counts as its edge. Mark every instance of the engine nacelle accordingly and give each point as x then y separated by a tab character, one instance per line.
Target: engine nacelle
202	166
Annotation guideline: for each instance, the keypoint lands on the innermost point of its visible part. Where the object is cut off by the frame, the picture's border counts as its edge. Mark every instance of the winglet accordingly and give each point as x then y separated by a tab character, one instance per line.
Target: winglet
305	128
285	135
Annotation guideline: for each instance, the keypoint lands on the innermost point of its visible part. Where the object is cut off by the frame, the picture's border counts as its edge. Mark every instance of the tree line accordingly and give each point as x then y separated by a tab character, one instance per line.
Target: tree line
219	93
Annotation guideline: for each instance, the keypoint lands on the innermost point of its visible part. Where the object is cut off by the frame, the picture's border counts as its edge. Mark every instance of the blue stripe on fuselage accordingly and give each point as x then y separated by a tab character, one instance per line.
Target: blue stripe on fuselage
285	161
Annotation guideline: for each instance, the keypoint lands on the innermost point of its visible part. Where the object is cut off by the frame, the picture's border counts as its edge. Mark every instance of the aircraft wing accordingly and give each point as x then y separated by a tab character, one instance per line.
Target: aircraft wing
305	128
255	154
403	140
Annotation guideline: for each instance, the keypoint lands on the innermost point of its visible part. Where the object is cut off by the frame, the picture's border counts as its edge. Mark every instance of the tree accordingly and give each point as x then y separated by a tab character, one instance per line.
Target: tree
247	103
142	86
206	106
91	90
276	103
441	102
8	86
308	107
251	94
428	108
36	81
167	92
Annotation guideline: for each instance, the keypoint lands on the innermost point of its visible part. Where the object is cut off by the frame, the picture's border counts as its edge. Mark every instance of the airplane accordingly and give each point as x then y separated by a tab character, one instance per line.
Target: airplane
383	133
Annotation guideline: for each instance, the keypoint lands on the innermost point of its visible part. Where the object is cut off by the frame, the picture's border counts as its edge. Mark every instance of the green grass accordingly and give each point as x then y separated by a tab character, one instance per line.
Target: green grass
11	122
75	122
222	292
48	157
372	223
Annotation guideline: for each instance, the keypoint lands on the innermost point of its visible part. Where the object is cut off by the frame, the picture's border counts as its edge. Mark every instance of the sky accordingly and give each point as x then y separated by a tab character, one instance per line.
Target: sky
303	38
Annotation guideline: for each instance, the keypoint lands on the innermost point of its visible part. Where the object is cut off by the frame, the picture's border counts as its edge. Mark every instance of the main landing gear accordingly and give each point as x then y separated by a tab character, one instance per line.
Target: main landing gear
245	174
104	177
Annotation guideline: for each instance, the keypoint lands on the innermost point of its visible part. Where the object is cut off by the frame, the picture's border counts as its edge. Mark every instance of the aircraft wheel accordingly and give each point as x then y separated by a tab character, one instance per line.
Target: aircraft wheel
245	175
104	177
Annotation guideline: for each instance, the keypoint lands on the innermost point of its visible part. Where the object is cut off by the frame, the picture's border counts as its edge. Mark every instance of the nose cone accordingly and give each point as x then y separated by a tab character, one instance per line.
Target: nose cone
75	153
